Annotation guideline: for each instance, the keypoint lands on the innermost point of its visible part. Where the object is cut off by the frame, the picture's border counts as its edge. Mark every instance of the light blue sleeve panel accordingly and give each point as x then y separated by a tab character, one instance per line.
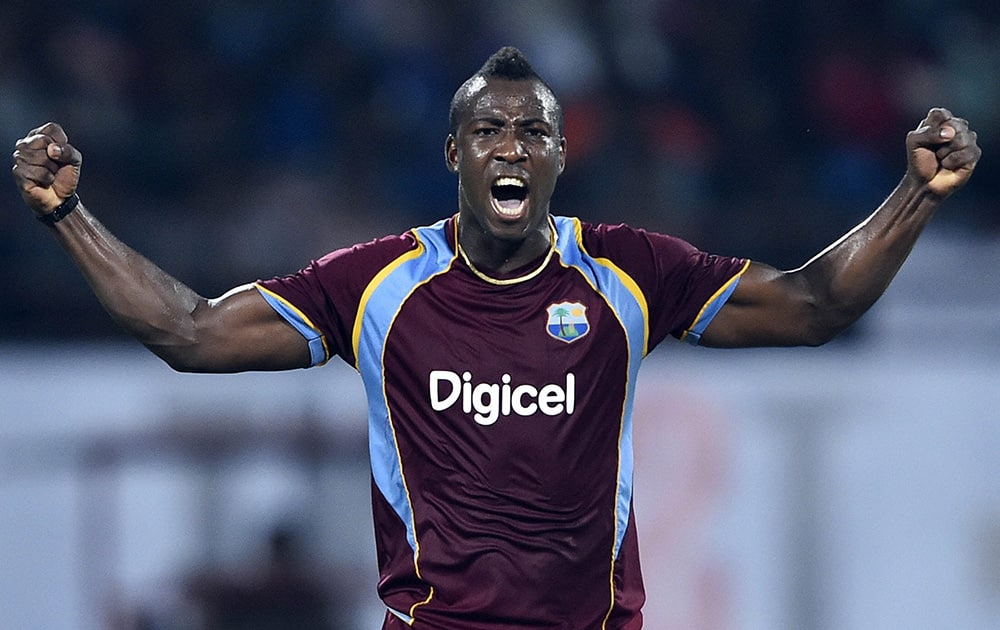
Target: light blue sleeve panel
318	352
711	308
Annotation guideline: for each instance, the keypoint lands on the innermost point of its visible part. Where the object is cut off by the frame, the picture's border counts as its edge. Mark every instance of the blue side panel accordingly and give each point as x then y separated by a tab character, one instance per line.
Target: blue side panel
384	301
629	306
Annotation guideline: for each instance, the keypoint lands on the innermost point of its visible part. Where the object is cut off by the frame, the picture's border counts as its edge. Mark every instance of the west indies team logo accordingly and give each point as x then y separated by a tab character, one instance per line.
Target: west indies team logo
567	321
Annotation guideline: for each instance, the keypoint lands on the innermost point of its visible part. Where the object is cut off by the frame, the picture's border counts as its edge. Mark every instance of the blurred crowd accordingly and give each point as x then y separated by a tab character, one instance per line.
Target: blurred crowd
230	140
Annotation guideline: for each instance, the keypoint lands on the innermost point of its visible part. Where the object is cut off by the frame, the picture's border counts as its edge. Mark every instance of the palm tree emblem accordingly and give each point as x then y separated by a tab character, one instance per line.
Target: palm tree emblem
567	321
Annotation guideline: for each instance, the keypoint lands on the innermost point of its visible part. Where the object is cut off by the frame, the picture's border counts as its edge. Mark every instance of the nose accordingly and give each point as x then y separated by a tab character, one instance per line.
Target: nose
510	148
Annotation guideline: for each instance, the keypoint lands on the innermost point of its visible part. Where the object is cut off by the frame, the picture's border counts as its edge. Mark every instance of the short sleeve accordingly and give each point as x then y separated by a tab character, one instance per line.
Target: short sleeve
321	300
684	287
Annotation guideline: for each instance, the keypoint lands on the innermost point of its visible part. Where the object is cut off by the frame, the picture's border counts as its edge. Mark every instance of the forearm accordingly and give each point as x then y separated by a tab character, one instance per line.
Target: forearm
235	332
811	304
142	298
846	279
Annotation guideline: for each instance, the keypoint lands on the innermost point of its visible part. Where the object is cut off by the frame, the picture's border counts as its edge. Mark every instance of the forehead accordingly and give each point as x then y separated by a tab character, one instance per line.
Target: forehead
528	98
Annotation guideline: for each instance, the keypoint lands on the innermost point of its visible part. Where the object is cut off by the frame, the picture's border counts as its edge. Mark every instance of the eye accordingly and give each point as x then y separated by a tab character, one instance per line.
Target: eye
485	131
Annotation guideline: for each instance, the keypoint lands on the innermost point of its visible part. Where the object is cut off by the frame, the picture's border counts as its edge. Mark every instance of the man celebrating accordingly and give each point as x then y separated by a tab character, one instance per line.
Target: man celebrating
499	349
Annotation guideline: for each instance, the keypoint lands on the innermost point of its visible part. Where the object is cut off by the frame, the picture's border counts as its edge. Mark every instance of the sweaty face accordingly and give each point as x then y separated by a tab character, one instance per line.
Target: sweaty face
508	153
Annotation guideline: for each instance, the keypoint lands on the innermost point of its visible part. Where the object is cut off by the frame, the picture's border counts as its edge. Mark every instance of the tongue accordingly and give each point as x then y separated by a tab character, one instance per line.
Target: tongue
509	204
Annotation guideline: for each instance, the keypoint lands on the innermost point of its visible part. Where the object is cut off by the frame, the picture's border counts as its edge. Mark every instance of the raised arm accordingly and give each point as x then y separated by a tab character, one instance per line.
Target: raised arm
812	304
236	332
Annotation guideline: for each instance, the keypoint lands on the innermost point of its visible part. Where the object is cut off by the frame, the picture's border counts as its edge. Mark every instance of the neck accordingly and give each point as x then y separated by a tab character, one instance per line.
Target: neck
487	252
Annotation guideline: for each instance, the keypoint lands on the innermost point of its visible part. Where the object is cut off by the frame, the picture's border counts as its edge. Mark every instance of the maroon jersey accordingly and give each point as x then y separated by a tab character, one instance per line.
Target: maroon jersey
500	416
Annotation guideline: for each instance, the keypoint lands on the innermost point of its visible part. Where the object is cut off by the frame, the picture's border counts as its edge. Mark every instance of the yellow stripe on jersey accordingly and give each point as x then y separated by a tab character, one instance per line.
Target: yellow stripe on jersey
627	281
375	282
300	321
710	305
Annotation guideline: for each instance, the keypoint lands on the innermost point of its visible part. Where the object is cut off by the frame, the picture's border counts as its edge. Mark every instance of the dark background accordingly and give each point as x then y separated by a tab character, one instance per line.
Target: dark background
230	141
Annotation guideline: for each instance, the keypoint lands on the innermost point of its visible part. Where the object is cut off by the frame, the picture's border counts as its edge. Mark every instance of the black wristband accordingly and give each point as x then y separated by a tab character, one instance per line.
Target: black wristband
62	210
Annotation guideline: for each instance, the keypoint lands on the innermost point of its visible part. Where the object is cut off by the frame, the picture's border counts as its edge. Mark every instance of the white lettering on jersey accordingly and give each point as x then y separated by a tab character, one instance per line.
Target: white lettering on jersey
489	401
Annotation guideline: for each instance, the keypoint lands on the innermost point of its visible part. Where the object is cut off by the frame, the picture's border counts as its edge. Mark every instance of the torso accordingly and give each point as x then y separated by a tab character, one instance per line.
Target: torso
500	436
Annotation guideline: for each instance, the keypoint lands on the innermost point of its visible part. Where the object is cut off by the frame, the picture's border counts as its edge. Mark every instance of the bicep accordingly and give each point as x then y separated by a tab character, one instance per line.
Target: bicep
768	308
240	331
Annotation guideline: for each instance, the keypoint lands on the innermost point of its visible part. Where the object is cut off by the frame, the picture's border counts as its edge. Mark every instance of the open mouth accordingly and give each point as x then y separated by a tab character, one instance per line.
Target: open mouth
509	196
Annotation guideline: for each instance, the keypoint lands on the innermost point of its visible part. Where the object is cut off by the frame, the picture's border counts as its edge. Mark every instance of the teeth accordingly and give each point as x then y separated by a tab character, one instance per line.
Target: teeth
509	181
509	213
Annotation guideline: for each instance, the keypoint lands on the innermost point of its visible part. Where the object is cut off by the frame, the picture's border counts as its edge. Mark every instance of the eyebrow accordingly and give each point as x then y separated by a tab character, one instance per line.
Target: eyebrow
499	122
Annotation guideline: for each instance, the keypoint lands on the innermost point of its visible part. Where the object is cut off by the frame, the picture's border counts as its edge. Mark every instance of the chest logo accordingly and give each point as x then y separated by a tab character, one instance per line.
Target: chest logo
567	321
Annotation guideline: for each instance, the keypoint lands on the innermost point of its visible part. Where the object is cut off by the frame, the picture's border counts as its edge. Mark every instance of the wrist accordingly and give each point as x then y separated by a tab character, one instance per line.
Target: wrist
61	211
936	189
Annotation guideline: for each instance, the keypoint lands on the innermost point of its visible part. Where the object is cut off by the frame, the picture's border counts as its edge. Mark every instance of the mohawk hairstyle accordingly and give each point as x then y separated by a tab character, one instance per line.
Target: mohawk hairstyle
509	64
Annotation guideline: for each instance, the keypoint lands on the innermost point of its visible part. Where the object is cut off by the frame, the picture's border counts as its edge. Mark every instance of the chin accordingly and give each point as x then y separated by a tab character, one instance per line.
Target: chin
512	229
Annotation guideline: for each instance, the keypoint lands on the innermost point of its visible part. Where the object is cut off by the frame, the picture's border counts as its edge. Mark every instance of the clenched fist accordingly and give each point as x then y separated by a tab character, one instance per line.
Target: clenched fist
942	152
46	168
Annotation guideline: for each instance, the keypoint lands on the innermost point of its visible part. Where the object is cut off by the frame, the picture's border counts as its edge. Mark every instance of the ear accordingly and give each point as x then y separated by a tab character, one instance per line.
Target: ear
562	154
451	153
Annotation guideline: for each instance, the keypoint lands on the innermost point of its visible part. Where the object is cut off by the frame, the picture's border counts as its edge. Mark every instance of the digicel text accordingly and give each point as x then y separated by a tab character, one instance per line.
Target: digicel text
492	400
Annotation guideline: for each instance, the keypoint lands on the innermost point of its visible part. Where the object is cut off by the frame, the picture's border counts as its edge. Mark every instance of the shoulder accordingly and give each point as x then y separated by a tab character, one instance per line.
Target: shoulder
382	247
656	261
623	241
348	270
375	254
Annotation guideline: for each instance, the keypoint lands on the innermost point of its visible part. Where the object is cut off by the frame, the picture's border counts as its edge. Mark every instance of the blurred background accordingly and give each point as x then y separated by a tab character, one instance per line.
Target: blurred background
852	486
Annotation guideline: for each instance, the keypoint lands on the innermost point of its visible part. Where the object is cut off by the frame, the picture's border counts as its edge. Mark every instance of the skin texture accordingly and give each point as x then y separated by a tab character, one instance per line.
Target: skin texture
508	129
812	304
235	332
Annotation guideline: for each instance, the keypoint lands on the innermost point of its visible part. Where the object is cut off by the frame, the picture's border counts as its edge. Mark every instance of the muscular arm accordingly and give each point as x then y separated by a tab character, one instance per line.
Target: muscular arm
236	332
812	304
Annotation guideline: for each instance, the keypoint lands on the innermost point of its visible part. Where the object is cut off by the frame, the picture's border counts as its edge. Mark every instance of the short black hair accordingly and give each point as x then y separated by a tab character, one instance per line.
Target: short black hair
510	64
